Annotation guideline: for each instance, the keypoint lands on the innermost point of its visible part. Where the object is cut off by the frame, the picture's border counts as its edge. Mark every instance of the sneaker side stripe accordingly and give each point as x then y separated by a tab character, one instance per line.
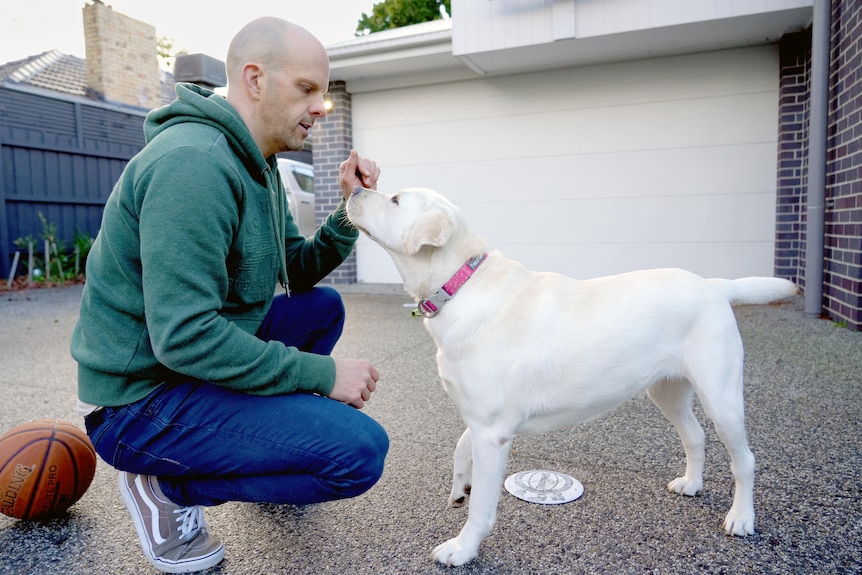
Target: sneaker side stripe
154	512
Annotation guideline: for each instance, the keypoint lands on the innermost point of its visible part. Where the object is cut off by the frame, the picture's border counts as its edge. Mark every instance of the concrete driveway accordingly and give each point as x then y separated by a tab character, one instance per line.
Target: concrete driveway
803	393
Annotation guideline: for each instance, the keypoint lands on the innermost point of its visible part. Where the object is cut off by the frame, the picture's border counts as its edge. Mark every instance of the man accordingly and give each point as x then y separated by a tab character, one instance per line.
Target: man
196	383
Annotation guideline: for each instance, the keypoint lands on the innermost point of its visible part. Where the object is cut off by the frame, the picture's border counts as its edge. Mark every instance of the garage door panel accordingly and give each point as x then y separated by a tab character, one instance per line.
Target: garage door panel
670	172
658	163
663	219
584	261
729	72
644	127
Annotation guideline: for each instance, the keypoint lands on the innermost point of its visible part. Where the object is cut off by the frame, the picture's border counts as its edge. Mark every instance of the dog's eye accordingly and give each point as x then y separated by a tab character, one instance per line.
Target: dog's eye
395	199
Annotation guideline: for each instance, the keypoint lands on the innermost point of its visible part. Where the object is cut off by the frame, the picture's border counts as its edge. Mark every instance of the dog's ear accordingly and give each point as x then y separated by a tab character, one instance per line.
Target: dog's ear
433	228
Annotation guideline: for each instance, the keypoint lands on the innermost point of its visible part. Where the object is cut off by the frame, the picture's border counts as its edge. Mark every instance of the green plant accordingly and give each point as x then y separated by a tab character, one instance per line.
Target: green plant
24	244
56	248
83	244
56	262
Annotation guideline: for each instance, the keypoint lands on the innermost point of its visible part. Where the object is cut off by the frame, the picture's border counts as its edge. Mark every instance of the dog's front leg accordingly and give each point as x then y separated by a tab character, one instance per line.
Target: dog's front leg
490	452
462	474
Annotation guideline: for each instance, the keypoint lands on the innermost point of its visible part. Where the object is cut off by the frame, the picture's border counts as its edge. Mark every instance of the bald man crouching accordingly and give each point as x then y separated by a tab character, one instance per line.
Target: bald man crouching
196	382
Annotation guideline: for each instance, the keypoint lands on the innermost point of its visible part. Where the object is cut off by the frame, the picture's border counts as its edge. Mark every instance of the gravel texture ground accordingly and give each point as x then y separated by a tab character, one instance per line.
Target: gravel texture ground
803	399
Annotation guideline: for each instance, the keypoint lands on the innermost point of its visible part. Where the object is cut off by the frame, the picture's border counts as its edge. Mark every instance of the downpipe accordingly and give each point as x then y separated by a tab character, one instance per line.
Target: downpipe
817	124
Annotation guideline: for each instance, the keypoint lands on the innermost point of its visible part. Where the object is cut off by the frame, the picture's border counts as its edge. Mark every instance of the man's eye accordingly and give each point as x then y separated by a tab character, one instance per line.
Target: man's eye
395	199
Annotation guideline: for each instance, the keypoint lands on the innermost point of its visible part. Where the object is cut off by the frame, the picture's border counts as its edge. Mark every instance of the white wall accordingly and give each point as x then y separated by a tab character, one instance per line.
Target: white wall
594	170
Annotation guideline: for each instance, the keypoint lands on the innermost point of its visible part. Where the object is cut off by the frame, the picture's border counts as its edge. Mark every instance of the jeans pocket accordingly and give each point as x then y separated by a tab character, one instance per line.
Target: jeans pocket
98	424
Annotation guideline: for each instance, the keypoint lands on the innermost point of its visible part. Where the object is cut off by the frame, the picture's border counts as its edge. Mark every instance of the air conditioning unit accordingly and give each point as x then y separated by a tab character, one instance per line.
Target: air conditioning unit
200	69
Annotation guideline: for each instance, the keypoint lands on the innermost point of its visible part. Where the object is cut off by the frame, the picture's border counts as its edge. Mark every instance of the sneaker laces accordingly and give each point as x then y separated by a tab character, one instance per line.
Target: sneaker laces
191	520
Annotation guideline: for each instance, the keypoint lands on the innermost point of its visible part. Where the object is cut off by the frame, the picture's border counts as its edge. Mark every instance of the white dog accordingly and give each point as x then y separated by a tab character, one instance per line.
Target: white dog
523	352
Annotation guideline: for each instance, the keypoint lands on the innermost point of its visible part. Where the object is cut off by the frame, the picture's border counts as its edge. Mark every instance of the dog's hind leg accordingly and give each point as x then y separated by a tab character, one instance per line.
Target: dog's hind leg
674	398
727	413
462	475
717	378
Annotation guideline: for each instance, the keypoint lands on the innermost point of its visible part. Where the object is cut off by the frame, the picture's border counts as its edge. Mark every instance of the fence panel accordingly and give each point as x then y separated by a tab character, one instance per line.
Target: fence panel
61	158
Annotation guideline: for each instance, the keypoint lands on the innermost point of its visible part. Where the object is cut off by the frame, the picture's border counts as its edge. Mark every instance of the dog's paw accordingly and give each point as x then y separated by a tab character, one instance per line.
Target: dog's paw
452	554
740	524
685	486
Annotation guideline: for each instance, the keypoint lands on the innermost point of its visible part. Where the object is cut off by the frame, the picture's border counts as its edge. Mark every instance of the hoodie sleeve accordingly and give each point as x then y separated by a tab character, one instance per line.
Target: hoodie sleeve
309	260
200	324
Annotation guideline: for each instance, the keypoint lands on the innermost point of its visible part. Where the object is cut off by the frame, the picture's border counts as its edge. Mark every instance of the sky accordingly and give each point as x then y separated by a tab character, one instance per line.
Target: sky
29	27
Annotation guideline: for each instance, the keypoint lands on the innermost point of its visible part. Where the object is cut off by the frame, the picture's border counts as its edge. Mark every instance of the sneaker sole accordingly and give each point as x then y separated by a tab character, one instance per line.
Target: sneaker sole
197	564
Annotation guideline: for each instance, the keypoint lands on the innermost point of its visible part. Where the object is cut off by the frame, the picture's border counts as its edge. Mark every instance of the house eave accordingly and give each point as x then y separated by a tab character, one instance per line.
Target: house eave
420	54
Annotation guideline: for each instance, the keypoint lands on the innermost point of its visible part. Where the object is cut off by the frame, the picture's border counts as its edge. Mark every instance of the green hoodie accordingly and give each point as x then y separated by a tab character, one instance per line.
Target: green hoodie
194	237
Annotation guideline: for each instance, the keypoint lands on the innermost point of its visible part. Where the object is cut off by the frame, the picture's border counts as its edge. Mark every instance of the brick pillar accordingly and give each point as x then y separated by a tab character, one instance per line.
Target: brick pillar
793	108
122	58
332	140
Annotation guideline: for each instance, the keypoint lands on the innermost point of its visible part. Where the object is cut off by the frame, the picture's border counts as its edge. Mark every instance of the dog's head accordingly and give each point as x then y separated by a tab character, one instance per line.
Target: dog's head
404	222
423	232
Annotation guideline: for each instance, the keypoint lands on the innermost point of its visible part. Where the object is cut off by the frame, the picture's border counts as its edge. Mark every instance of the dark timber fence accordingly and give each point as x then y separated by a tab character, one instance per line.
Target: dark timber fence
59	156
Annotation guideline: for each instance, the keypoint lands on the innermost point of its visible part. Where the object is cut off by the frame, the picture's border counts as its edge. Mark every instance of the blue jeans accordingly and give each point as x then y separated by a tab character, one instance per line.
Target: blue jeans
209	444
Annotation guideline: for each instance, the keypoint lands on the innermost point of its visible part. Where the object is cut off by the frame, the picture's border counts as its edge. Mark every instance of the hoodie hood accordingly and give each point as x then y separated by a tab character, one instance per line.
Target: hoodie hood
196	104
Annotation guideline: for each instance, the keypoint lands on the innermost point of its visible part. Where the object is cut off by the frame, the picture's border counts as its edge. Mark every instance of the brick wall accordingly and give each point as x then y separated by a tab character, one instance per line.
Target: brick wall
843	245
332	139
122	59
793	103
842	256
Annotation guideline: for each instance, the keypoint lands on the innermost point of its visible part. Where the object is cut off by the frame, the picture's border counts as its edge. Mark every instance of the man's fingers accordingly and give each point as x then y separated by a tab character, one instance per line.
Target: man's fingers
351	163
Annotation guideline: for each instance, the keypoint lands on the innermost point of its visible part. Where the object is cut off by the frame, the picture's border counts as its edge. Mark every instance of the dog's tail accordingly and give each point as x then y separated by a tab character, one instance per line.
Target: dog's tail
755	290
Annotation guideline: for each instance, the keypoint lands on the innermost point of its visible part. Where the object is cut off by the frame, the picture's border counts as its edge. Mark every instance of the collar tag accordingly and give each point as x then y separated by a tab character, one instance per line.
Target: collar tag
430	306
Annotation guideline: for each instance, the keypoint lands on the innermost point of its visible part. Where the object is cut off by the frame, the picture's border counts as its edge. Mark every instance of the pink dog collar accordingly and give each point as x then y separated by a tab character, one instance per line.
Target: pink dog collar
429	306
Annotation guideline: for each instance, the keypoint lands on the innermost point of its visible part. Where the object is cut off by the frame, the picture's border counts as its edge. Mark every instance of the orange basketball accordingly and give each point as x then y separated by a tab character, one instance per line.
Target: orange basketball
45	467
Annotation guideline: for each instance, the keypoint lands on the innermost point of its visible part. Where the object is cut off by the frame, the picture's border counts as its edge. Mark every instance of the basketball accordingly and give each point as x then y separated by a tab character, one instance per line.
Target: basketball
45	467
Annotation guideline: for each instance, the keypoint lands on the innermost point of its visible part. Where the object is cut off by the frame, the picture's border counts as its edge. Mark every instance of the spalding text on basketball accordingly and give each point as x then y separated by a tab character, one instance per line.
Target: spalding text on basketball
22	472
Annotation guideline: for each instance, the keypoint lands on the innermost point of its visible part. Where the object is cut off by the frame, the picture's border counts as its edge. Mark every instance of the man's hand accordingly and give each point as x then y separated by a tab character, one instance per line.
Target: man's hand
355	381
356	171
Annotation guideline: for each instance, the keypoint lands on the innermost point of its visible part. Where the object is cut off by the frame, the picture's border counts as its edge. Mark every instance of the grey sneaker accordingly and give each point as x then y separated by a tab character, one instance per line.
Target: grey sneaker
175	539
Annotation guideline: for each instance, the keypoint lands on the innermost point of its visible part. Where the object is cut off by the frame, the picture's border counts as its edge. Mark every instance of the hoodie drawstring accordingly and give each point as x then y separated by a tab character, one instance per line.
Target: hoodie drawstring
278	208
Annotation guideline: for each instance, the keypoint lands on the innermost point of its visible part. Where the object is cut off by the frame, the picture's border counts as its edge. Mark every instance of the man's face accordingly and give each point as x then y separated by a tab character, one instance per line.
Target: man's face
293	99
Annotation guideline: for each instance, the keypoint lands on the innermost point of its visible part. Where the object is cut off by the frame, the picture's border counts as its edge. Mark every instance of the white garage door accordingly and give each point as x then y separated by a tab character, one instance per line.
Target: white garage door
591	171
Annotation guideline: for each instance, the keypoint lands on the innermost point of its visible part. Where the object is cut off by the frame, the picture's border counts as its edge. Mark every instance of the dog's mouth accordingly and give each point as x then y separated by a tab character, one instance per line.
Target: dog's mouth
357	226
355	210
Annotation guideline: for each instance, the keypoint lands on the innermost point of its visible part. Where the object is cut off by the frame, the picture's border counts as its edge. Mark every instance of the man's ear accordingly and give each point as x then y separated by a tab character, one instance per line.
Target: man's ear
251	77
433	228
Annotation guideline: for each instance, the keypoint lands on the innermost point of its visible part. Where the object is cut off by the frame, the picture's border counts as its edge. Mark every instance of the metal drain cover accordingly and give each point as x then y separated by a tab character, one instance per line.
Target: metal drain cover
544	487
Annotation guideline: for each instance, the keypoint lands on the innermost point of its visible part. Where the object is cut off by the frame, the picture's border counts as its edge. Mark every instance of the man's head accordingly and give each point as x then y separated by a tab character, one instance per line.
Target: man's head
277	75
